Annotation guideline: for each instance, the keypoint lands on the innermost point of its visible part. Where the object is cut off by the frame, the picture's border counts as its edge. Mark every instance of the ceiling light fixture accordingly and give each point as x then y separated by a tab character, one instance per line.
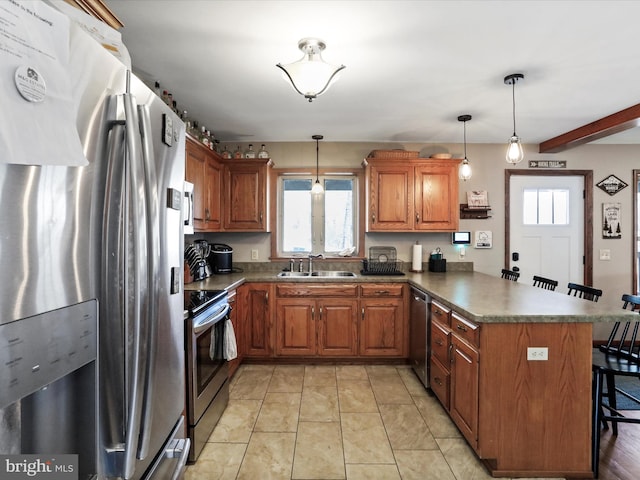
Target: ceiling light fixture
317	187
514	147
465	169
311	76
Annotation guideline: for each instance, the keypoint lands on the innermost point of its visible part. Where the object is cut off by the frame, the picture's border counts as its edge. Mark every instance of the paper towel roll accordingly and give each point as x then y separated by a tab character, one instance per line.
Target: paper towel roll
416	259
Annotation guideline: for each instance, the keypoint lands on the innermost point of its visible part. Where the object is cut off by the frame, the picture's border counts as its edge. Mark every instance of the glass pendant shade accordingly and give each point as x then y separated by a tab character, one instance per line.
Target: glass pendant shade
317	187
311	75
515	154
465	170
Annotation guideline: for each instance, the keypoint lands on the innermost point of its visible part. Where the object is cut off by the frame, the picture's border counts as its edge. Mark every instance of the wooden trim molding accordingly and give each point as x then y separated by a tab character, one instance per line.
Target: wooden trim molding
609	125
588	213
99	10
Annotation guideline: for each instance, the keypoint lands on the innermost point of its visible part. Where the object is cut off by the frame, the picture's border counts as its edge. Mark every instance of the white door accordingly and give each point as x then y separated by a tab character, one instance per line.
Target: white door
547	228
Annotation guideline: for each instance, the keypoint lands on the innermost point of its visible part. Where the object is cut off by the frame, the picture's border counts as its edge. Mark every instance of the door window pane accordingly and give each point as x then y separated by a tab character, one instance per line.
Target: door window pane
545	207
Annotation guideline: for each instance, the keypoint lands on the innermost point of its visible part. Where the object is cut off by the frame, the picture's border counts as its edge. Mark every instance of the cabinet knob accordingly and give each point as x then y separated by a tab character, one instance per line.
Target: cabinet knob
373	217
461	327
417	217
437	381
439	342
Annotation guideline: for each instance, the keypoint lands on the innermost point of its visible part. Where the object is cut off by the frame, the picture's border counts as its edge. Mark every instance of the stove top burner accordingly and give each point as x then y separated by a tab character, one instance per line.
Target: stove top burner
196	300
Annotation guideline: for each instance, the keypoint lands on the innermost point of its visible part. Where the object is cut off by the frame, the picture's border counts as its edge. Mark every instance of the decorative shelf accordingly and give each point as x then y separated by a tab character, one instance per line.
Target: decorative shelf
467	212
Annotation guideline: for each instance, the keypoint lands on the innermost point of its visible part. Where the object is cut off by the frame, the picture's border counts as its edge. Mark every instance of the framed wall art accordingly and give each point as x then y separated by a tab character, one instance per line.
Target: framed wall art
611	220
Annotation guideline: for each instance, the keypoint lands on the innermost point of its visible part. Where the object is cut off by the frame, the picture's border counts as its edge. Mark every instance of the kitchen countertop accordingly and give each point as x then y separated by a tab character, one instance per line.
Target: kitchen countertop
480	297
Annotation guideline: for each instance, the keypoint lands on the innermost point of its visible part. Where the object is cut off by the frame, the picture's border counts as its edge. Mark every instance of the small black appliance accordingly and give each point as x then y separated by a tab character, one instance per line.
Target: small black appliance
221	258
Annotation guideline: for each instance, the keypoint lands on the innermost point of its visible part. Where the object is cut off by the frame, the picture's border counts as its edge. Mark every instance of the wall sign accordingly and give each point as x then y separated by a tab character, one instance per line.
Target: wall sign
547	164
611	220
611	184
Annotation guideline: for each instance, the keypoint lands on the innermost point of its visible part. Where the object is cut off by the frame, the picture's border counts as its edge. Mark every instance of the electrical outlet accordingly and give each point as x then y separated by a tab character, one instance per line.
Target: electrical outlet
462	252
254	254
605	254
537	353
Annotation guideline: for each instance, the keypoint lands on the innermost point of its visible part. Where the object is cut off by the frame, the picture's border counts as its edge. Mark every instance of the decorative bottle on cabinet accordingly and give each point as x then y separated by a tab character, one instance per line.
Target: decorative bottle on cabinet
263	152
249	152
226	153
237	153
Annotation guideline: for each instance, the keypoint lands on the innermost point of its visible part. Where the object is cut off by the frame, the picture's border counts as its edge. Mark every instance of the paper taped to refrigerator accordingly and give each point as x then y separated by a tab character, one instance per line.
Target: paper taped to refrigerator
38	112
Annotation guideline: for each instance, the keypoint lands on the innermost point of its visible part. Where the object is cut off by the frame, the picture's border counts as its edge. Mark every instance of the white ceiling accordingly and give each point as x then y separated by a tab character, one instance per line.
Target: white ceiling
412	66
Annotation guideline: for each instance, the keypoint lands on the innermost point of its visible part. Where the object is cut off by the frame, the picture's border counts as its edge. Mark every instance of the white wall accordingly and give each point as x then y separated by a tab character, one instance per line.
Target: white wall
614	277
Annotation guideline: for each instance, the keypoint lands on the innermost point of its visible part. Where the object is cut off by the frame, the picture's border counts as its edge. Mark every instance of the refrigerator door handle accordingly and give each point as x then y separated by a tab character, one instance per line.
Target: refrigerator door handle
153	276
136	294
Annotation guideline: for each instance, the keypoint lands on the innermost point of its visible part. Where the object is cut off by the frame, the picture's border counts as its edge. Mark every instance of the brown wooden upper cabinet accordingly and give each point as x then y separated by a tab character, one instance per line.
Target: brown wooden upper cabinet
412	194
204	170
245	202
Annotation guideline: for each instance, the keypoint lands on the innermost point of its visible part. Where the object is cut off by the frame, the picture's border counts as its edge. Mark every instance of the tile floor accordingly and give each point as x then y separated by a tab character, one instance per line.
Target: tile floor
334	422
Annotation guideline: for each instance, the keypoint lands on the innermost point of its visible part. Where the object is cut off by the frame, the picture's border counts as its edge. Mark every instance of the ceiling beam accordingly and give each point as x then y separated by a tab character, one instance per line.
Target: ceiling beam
609	125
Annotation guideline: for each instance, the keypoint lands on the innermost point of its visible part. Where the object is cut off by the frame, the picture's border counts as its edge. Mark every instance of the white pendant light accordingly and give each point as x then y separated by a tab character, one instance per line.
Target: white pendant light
464	171
514	147
317	187
311	75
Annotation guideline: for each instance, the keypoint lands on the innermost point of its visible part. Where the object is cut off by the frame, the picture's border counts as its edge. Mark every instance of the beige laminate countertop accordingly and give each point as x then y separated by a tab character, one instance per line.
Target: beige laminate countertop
480	297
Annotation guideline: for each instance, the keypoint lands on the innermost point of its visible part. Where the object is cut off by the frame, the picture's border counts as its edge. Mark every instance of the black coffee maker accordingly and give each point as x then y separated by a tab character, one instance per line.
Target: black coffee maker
221	258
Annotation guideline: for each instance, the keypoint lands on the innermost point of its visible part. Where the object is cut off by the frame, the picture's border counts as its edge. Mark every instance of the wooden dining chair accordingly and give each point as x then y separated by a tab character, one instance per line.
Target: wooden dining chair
510	275
583	291
545	283
618	357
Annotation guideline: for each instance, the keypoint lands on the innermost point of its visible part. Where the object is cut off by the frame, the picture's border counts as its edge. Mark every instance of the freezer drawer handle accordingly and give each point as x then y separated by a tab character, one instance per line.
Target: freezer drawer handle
178	448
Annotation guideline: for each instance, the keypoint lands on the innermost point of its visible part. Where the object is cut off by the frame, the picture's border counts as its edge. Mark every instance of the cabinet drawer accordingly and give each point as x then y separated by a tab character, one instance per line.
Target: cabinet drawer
440	313
440	337
465	329
317	290
439	380
379	290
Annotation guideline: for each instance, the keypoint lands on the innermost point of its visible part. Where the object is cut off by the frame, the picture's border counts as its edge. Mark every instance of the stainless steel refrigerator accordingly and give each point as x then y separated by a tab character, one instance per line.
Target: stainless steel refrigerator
100	244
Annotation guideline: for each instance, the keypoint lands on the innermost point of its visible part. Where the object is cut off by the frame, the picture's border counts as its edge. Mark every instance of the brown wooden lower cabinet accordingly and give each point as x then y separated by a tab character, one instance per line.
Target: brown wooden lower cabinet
256	313
523	418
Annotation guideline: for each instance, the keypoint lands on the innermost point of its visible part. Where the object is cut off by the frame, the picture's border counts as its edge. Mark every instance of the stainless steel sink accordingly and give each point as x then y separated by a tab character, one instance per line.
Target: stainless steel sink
318	273
332	273
293	274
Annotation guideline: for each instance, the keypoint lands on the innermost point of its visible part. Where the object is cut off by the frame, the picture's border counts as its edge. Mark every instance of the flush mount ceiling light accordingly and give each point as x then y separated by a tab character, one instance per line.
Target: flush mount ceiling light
317	187
514	147
311	76
465	169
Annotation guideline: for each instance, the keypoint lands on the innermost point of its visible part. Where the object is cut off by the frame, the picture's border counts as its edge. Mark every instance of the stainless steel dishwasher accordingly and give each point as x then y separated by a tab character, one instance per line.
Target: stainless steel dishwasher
419	331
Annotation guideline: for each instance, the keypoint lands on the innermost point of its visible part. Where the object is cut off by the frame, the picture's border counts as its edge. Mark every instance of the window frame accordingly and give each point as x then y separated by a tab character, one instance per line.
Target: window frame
275	200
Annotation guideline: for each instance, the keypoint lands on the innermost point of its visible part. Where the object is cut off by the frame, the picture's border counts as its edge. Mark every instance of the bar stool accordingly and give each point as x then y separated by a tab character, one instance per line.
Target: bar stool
583	291
510	275
618	357
545	283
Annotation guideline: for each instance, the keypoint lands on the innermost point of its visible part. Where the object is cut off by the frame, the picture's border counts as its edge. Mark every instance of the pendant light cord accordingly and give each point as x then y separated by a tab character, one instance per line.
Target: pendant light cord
465	139
317	155
513	91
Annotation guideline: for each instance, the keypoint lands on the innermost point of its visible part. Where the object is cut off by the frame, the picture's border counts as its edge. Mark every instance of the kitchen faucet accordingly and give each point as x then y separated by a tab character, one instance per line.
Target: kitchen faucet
311	257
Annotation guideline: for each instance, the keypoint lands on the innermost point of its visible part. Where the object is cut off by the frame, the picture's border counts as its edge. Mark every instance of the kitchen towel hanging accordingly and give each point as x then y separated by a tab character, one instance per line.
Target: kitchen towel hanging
230	346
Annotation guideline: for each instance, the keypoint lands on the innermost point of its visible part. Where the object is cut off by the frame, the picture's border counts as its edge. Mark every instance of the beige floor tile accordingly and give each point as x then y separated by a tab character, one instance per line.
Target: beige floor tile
390	389
269	456
319	452
252	383
218	461
462	460
279	413
381	370
351	372
436	417
413	385
287	379
372	472
364	438
237	421
423	465
356	396
320	376
319	404
406	428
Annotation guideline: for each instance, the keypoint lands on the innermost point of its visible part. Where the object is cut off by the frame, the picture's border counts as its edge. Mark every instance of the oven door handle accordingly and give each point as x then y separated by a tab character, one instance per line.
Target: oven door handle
202	325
